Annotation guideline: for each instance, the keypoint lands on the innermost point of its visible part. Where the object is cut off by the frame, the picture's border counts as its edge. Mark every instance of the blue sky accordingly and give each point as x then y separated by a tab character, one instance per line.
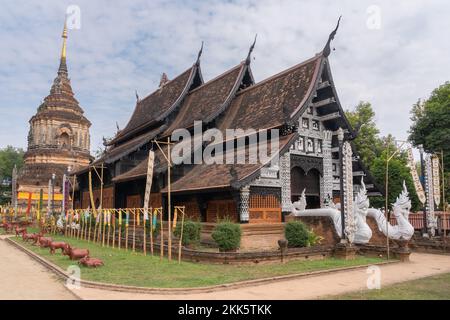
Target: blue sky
124	46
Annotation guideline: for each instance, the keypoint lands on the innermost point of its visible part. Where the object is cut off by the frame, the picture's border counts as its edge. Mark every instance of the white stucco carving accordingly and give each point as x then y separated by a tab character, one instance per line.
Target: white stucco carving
401	208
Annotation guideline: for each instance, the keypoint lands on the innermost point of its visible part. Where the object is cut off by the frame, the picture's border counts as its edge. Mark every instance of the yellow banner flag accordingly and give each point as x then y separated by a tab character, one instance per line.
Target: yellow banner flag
175	216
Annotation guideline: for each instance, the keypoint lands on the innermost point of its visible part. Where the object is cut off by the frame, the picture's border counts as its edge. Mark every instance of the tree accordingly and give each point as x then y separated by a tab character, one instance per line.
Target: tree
374	150
431	126
367	143
9	157
398	171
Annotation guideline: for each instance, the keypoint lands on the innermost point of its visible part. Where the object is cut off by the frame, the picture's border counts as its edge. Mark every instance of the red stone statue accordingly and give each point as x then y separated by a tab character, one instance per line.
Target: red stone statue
91	262
44	242
74	253
57	245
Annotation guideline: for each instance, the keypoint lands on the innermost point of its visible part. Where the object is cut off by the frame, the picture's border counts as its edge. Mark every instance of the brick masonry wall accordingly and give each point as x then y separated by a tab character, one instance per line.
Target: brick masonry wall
322	226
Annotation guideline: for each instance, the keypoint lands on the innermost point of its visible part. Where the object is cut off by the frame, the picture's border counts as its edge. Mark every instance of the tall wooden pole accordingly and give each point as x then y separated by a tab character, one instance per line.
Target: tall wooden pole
161	230
181	237
444	203
151	230
101	205
386	208
144	237
169	254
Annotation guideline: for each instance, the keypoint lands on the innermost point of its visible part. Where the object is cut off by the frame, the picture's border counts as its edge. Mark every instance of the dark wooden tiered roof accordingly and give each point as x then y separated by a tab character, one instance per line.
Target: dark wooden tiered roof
156	106
231	100
207	101
271	102
218	176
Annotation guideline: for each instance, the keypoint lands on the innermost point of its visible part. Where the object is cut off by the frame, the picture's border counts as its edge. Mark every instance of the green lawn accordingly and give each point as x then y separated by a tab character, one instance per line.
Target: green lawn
430	288
135	269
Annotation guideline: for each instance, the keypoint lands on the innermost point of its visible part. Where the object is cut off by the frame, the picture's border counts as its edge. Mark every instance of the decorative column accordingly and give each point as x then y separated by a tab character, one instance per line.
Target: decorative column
347	181
244	204
327	181
14	190
285	182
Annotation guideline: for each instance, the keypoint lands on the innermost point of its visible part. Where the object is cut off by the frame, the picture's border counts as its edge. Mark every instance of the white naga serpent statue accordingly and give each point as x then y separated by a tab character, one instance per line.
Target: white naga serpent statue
360	211
401	207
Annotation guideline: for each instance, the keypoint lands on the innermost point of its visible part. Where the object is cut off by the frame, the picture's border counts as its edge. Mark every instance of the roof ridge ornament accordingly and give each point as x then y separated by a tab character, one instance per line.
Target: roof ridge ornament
247	61
137	95
199	55
164	80
326	49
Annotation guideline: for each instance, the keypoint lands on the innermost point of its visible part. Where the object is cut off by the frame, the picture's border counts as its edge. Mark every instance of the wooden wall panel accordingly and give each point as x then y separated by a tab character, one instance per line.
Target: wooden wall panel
108	198
220	209
155	200
264	209
192	210
134	201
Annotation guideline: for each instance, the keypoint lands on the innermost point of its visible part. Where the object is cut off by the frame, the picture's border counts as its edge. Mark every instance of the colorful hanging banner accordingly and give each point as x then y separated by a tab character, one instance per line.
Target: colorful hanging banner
137	214
148	185
415	176
66	197
49	197
127	218
120	217
91	194
436	180
175	217
40	204
28	204
155	219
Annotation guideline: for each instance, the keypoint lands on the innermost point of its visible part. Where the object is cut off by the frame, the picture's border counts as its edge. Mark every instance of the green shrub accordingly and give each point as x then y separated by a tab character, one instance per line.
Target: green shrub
296	234
191	232
227	235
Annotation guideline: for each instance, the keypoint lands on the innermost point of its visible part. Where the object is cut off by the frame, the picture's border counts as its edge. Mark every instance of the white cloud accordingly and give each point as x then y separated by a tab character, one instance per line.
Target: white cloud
125	46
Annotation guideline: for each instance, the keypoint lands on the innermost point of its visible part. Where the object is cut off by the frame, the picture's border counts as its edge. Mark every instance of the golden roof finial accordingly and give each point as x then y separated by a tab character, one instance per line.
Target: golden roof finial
64	36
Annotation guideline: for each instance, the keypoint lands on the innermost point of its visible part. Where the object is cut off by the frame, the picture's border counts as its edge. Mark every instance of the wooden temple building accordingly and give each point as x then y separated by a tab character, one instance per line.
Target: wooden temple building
301	102
58	138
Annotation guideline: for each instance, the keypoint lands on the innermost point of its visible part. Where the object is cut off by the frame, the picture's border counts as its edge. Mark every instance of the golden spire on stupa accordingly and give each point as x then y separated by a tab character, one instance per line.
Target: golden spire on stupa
62	63
64	36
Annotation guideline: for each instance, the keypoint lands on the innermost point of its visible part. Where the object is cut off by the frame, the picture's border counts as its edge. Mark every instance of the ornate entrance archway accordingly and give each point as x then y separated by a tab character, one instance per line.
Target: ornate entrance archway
305	174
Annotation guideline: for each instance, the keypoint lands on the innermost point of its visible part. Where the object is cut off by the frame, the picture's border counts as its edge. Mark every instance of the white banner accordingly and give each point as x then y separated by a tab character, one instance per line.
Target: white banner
436	180
148	185
415	176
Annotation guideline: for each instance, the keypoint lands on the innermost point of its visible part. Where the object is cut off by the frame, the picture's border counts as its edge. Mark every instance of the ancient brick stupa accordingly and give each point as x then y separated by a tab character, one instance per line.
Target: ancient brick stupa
58	139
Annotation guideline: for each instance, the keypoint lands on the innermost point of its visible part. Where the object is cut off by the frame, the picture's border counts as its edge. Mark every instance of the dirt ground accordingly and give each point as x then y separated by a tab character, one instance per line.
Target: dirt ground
311	287
23	278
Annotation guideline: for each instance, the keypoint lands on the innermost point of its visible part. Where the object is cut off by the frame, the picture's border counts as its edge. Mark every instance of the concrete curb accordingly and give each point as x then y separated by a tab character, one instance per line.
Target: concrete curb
132	289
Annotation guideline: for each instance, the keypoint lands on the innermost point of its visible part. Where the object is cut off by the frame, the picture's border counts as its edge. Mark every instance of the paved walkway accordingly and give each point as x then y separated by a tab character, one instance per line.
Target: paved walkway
21	278
312	287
